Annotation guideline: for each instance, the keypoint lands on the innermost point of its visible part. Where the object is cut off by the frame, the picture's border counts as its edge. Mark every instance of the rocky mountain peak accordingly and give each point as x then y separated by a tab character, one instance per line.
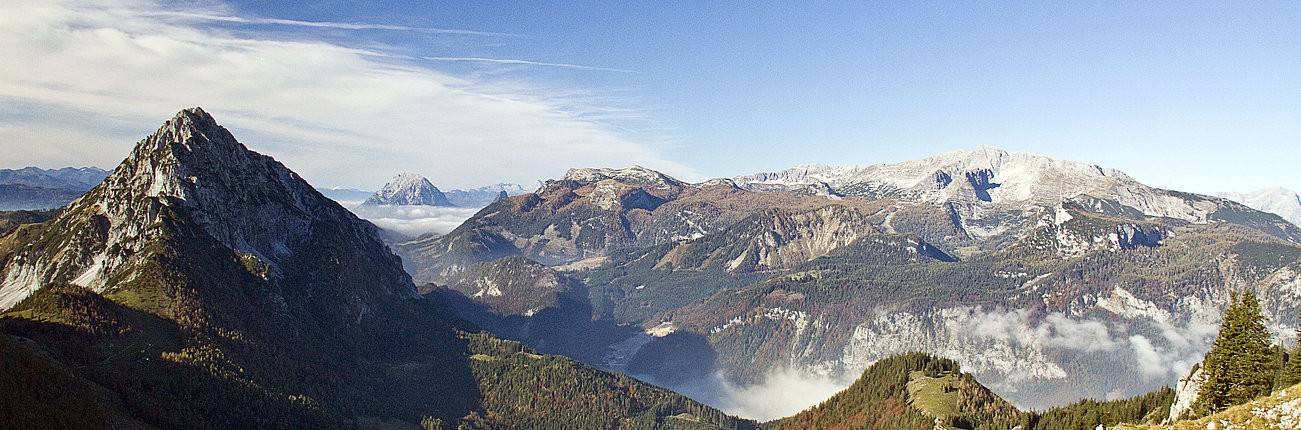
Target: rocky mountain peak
194	169
408	189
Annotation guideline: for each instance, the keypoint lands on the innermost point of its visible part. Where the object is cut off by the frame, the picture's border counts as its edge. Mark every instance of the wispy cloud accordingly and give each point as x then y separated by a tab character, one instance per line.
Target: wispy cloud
318	24
339	115
529	63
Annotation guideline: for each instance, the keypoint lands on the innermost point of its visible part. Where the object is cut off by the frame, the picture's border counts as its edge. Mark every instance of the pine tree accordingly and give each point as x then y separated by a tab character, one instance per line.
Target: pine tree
1240	364
1291	374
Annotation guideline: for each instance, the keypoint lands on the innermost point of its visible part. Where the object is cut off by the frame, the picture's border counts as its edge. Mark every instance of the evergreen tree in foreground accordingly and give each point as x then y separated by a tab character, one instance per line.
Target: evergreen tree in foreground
1291	373
1240	364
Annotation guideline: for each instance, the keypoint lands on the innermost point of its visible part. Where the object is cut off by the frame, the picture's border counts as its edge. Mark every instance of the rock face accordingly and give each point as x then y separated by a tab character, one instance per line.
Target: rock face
1187	390
408	189
1280	201
248	202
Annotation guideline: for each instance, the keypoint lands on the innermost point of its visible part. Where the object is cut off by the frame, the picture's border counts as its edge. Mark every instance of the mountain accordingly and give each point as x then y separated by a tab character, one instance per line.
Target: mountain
408	189
1280	201
67	178
483	196
1050	280
203	285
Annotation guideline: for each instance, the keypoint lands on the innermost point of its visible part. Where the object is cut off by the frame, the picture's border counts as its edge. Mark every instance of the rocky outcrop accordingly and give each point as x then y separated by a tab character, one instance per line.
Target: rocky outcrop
1187	390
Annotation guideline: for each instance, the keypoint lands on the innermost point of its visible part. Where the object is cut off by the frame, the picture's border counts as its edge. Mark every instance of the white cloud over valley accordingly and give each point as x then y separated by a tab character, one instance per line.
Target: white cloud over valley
1168	354
82	81
414	220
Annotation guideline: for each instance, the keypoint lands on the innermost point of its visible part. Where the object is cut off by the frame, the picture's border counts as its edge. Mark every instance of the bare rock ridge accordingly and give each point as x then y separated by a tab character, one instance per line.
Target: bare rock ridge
408	189
193	168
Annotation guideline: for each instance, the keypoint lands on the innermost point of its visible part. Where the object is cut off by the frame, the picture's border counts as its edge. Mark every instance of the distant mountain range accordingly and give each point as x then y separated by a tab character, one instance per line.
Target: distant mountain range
70	178
1281	201
345	195
473	198
37	188
483	196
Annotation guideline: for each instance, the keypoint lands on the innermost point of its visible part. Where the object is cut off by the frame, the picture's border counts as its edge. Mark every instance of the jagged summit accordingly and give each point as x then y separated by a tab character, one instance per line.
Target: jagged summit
192	171
630	175
408	189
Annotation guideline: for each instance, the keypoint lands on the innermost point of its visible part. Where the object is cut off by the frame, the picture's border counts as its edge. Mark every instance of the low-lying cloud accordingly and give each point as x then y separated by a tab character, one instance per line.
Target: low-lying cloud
783	392
1171	354
414	220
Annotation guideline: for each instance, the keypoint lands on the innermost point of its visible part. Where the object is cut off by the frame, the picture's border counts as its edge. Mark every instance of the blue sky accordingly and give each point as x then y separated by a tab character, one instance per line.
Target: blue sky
1201	97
